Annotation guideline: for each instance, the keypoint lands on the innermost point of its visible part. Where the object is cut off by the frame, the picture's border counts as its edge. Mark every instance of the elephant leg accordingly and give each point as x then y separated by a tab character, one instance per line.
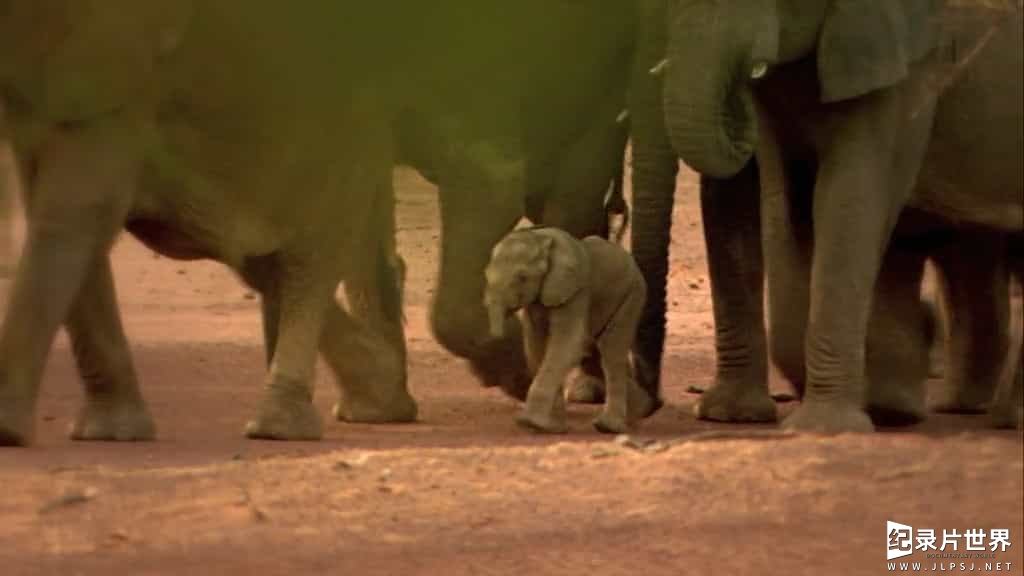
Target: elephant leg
624	401
545	403
114	408
615	416
900	333
79	189
371	371
473	220
367	350
286	411
1006	403
865	177
788	245
732	234
975	281
535	339
935	303
655	167
375	292
263	275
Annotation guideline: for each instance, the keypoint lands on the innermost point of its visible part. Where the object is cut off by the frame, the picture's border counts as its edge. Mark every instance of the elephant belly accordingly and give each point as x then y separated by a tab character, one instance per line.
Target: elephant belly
164	238
183	214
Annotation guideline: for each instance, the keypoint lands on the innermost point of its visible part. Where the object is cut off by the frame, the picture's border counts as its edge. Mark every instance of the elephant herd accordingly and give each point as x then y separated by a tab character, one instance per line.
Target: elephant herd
841	145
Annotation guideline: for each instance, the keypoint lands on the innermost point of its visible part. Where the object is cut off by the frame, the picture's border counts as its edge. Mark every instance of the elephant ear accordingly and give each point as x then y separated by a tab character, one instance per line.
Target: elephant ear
568	268
866	45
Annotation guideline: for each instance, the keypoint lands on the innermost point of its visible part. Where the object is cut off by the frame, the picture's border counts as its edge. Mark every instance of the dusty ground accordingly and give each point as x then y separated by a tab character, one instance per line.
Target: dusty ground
464	491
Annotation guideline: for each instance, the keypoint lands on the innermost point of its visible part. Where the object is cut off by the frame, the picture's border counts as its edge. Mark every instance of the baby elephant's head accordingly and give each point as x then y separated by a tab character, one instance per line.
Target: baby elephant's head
515	274
543	265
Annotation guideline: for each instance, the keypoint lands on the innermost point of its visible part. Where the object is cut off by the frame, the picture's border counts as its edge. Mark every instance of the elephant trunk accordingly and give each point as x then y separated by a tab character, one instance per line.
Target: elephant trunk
655	166
496	315
708	102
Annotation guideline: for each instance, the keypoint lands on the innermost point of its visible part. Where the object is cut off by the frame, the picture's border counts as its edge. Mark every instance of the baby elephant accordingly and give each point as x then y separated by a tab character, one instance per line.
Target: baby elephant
578	295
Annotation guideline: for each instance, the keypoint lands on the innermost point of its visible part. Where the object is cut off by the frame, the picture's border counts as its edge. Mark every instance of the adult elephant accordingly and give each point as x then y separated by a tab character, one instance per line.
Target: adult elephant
515	112
856	110
236	131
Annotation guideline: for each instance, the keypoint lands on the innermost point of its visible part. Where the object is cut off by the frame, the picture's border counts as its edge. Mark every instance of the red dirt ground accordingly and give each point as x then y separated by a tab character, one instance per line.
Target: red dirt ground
464	491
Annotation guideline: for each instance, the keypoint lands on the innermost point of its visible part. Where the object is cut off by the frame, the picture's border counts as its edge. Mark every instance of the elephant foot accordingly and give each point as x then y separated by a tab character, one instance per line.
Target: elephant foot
547	417
895	404
966	396
16	424
586	389
823	417
609	423
285	417
729	401
117	421
401	408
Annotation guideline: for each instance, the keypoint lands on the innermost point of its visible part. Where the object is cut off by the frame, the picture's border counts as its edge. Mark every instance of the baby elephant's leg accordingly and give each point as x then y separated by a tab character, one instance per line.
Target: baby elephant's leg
624	400
566	336
535	338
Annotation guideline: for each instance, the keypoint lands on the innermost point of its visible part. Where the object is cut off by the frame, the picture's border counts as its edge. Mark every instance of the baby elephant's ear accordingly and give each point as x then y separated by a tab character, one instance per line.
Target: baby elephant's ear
568	268
867	45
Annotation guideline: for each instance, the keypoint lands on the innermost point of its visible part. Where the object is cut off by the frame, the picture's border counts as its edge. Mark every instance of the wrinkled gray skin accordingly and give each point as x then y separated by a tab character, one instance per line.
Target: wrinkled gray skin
861	109
579	297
